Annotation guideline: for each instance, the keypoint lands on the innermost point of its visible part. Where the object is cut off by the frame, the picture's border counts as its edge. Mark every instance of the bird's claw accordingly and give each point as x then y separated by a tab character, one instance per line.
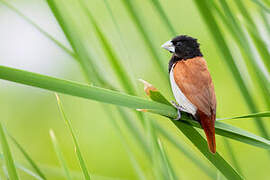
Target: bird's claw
179	109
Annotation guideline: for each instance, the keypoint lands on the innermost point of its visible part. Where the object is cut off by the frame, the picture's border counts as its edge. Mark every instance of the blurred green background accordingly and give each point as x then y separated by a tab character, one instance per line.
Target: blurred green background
29	113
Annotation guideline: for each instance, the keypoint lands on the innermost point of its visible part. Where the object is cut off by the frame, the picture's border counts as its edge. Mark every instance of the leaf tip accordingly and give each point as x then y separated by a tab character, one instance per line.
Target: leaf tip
142	110
147	87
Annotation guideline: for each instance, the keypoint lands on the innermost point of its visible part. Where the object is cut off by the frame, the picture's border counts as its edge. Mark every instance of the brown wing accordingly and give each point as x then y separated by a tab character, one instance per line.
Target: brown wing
194	80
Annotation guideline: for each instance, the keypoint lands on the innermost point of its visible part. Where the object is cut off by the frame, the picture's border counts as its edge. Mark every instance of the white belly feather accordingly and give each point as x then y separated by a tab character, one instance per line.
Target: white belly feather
180	97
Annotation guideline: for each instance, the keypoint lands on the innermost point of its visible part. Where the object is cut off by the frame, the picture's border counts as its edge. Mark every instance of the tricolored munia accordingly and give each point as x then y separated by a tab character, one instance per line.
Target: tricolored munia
192	84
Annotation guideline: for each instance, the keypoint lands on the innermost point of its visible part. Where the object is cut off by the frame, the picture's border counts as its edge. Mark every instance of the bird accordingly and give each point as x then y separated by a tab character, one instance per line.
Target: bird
192	84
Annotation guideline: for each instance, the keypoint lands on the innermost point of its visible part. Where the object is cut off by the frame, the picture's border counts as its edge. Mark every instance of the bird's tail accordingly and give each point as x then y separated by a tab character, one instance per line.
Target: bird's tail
208	125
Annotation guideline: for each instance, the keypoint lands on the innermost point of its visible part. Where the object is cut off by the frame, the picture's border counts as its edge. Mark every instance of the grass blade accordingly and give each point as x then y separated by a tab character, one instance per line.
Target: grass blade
135	131
27	171
81	90
28	158
187	152
78	47
232	155
24	169
9	162
145	36
60	155
253	115
118	68
164	17
165	158
77	148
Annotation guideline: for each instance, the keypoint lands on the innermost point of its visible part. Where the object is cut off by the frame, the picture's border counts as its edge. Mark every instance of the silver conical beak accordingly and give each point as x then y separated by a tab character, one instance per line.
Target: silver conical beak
169	46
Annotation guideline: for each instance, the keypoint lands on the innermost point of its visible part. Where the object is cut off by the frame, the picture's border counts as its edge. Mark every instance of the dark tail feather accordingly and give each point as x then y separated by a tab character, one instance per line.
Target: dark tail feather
208	125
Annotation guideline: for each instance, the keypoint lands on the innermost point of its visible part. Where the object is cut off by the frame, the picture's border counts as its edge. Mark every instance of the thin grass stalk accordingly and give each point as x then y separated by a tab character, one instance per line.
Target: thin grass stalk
79	49
186	151
124	73
74	139
160	171
28	158
123	44
118	68
27	171
232	155
24	169
164	17
9	162
130	7
139	172
166	161
60	155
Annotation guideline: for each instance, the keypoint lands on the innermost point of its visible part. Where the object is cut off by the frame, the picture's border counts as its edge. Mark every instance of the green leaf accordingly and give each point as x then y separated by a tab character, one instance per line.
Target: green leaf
85	91
76	144
60	155
253	115
9	162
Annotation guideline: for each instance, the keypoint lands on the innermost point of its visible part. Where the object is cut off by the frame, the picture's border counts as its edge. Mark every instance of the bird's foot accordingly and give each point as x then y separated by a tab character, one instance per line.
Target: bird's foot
179	109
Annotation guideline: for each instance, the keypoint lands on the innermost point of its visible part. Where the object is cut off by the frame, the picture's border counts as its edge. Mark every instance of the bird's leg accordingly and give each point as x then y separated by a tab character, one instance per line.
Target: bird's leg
179	109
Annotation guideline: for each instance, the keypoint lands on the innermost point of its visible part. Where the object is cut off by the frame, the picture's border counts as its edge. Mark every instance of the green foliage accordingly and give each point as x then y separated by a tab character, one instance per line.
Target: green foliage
60	155
75	141
147	135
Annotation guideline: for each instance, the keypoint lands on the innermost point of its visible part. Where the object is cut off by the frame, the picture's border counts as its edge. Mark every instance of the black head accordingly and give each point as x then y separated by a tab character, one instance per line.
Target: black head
184	47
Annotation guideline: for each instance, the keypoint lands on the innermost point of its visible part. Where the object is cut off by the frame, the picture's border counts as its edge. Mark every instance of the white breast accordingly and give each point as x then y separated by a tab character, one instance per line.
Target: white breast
180	97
